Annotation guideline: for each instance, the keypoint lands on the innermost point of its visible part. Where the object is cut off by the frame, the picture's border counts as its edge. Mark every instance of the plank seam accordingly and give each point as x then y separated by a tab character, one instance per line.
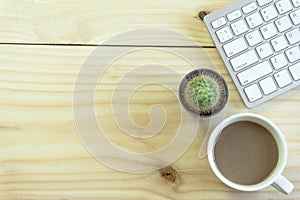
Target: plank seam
104	45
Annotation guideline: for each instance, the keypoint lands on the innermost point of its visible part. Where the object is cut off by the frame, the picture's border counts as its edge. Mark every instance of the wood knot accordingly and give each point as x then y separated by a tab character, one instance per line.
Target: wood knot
169	174
202	14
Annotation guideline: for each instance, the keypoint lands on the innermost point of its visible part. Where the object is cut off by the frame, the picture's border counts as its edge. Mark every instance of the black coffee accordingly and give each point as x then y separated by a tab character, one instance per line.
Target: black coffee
246	153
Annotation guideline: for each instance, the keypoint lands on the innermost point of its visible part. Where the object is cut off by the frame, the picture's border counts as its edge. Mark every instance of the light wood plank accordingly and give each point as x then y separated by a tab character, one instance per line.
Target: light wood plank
92	22
41	154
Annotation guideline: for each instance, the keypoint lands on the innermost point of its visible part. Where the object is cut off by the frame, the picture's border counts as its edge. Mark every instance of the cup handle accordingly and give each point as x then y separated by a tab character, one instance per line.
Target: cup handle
283	185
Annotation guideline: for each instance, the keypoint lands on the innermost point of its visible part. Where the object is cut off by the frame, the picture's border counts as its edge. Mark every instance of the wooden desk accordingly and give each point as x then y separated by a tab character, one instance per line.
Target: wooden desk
44	44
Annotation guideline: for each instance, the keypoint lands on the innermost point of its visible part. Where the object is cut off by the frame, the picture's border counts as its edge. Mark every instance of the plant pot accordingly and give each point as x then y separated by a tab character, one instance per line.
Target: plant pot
203	93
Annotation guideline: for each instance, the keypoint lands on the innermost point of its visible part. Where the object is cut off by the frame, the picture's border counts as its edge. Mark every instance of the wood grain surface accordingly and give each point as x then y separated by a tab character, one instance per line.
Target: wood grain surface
42	156
93	21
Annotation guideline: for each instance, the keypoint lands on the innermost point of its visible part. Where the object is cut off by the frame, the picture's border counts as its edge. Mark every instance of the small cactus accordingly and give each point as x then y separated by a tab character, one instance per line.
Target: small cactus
204	92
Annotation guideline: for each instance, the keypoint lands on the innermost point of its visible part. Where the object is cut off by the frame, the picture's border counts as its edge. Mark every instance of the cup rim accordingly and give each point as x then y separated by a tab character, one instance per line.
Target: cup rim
271	127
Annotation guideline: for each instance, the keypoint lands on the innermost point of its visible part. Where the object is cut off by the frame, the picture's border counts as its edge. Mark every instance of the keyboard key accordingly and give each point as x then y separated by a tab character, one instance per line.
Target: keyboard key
249	8
283	6
239	27
263	2
254	20
253	93
253	38
269	13
279	61
218	22
295	16
235	47
267	85
244	60
234	15
283	24
279	43
268	31
295	71
296	3
254	73
293	54
293	36
282	78
264	50
224	34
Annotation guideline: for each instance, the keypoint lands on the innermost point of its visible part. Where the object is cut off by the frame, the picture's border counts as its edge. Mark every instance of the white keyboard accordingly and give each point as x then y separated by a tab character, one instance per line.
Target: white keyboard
258	41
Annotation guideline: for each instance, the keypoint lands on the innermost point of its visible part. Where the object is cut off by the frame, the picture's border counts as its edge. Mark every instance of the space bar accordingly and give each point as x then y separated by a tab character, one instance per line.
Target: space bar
254	73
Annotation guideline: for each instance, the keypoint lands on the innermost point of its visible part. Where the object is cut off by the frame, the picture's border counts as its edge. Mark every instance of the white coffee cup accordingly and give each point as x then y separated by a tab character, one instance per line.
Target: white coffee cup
275	178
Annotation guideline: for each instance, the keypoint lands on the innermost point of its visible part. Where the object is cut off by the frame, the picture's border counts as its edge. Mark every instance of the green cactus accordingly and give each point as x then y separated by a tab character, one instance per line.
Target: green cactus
204	92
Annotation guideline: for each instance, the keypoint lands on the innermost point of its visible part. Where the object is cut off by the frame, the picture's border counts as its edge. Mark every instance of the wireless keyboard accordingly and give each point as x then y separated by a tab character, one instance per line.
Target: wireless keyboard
258	41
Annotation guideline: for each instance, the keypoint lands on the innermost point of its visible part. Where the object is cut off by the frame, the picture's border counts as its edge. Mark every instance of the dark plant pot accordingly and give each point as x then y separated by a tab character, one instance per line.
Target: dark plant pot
196	107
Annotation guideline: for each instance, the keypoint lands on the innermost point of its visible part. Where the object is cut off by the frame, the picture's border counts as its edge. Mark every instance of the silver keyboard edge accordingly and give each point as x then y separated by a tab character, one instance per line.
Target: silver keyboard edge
222	12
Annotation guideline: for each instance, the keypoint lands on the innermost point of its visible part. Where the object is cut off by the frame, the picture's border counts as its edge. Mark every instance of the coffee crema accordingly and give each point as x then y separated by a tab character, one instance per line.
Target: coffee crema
246	153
